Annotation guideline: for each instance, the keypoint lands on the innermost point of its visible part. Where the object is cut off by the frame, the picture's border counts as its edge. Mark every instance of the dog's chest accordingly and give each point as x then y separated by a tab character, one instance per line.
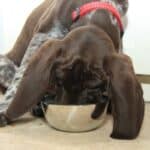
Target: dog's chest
57	30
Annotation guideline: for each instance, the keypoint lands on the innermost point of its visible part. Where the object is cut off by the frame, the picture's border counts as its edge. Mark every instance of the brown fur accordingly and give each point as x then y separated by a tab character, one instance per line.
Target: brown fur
73	66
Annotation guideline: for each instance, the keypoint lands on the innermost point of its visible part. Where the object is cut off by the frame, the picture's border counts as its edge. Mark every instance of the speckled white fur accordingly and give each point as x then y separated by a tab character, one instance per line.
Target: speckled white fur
89	15
118	7
57	31
113	19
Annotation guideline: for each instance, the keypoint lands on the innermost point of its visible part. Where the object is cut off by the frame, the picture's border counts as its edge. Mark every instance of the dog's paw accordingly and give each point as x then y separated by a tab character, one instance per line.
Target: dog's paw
3	120
37	111
95	115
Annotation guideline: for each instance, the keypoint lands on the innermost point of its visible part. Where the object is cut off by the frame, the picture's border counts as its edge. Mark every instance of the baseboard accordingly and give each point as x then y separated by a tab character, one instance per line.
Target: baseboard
143	78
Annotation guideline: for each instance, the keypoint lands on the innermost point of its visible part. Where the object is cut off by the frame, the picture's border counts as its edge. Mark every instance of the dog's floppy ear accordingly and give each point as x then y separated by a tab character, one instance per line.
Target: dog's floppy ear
35	80
127	97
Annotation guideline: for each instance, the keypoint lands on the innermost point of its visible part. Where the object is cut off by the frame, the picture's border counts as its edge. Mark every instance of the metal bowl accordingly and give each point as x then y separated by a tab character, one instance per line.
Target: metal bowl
73	118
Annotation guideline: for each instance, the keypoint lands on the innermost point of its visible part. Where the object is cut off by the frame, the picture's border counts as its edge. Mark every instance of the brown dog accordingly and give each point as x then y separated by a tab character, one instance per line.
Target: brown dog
77	63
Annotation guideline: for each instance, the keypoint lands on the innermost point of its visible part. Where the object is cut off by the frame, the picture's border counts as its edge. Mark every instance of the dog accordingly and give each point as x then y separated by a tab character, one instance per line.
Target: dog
82	61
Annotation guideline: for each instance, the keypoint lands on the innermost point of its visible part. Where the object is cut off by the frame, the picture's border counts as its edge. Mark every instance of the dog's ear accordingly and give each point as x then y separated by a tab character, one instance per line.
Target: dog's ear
35	80
126	97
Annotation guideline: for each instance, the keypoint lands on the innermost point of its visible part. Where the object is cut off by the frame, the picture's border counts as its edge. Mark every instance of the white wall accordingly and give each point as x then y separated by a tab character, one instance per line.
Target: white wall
1	32
13	14
136	39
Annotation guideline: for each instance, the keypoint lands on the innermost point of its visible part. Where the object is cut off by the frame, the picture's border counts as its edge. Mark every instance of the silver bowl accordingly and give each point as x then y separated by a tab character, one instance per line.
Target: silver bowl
72	118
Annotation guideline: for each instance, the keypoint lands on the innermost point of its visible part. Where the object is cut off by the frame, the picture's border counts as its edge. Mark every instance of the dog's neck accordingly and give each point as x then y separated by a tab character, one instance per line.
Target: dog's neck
120	6
62	23
104	20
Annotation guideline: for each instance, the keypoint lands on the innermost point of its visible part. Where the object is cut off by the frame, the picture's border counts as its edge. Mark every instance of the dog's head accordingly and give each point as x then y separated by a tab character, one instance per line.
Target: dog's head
76	82
77	74
71	69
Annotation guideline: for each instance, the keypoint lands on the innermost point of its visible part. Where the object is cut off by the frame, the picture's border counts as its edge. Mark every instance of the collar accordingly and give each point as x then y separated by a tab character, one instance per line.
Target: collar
91	6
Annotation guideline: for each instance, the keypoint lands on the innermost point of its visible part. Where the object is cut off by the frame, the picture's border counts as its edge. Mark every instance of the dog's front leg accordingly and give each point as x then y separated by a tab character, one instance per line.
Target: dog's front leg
23	40
33	48
14	57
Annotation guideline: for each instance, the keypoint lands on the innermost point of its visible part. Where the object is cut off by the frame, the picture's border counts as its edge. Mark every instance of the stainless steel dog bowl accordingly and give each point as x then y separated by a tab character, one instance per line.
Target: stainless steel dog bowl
72	118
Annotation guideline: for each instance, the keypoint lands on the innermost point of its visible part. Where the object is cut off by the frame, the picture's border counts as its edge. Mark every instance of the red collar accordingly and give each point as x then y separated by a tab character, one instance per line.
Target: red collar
88	7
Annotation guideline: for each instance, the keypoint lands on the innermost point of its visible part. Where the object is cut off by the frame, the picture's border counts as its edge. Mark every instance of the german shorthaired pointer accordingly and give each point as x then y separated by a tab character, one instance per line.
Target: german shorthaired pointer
72	51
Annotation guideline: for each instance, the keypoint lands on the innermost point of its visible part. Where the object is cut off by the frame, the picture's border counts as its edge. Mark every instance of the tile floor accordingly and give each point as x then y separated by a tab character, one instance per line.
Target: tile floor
29	133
